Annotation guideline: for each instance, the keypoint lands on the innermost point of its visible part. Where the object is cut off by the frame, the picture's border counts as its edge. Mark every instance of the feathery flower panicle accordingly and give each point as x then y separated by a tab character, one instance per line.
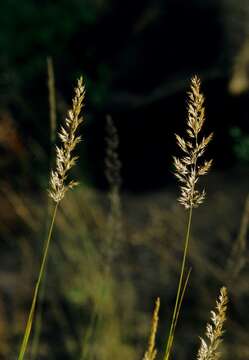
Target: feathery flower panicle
112	162
214	331
151	352
188	169
113	175
64	158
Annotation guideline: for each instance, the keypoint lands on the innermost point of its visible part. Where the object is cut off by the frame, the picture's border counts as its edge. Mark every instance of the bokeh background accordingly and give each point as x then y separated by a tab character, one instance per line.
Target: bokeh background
137	58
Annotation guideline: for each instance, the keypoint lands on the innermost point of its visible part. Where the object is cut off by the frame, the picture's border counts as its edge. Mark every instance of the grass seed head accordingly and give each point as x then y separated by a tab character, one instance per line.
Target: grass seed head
210	350
188	169
64	154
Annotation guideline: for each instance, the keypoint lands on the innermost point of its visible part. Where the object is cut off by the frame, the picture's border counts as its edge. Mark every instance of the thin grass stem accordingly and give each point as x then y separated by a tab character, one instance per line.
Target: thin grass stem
38	321
179	289
179	308
37	287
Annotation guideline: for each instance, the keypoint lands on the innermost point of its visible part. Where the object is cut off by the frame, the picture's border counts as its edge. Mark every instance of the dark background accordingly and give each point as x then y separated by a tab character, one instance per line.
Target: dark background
137	58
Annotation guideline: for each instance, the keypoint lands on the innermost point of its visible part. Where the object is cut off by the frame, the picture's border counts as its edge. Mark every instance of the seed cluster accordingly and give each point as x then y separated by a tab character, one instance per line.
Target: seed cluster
188	169
64	158
214	332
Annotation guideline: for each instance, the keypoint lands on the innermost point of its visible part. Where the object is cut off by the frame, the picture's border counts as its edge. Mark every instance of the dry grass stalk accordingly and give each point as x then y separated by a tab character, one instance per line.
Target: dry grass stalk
64	159
59	186
113	167
187	168
214	331
112	162
151	352
113	235
188	171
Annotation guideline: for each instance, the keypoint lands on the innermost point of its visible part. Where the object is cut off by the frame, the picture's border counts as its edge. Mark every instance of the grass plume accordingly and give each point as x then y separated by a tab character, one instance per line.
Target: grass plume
188	170
210	350
58	187
64	158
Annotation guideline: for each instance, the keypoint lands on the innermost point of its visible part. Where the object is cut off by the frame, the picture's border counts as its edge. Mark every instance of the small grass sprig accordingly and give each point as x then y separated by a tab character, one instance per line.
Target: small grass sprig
151	351
210	350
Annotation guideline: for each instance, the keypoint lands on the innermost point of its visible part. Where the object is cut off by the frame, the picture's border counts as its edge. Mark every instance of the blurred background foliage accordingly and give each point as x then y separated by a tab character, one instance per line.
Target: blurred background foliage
136	58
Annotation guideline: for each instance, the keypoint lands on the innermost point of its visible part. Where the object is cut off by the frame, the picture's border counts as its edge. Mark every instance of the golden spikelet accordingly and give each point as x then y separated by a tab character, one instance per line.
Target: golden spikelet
214	332
188	169
64	158
151	352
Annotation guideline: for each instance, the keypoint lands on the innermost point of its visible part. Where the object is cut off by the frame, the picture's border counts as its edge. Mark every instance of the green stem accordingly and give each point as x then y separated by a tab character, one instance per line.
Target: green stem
179	308
37	325
179	290
37	287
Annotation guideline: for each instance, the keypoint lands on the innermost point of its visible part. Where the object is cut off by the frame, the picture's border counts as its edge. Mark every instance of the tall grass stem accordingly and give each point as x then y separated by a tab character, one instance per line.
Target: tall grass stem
53	126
